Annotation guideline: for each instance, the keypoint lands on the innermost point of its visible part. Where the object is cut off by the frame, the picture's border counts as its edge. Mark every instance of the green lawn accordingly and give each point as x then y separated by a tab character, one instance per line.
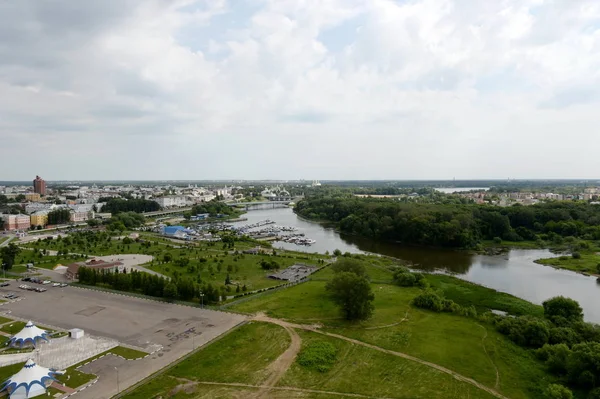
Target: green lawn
588	263
241	356
4	320
75	378
465	294
13	328
361	370
127	353
244	270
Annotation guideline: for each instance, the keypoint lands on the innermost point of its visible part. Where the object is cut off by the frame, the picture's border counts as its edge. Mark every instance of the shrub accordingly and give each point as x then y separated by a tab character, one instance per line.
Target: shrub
557	391
576	255
497	240
318	355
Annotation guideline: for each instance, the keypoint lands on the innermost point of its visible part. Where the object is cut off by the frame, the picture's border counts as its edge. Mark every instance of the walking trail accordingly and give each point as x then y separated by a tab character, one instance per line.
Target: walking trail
286	364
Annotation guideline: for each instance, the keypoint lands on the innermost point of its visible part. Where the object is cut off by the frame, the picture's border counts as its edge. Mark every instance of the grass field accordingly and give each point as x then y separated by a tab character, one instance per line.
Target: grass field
241	356
369	372
449	340
588	263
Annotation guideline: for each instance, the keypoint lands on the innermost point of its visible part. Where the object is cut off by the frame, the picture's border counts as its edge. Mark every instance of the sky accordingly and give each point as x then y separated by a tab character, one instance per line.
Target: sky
304	89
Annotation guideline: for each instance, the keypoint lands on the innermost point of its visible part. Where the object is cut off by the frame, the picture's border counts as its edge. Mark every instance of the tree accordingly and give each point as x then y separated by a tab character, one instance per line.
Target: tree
562	311
349	265
170	291
536	334
337	252
594	394
8	255
20	198
557	391
353	294
227	279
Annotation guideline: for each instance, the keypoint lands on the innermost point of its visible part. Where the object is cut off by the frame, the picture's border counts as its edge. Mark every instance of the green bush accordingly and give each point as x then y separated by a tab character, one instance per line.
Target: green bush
557	391
318	355
576	255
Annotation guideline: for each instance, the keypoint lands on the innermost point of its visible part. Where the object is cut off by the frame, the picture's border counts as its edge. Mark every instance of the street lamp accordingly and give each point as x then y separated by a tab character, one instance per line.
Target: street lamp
201	300
117	370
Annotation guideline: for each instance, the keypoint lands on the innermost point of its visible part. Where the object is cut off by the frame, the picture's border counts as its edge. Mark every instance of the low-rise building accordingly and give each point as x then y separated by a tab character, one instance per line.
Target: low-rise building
16	222
172	201
78	216
33	197
39	218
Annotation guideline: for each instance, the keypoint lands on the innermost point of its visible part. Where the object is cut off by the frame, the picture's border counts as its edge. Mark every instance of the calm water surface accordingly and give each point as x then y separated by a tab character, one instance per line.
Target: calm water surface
514	273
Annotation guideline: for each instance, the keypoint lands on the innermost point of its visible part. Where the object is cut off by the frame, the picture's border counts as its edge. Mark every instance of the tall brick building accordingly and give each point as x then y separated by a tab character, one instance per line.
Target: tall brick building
39	186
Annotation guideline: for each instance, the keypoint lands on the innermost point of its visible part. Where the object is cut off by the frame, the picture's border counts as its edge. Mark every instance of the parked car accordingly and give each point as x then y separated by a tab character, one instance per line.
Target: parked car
24	287
56	284
63	285
46	282
26	279
5	284
38	289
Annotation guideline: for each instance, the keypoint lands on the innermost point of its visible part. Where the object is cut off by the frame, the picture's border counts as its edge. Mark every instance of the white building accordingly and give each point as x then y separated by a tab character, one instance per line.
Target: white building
172	201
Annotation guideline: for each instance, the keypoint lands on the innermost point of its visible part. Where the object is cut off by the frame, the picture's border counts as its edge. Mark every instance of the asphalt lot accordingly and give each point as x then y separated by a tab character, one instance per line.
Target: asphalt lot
134	321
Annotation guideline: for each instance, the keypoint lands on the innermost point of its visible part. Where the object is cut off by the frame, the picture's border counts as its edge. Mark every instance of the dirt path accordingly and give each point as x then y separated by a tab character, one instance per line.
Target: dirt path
489	357
389	325
292	389
279	367
285	324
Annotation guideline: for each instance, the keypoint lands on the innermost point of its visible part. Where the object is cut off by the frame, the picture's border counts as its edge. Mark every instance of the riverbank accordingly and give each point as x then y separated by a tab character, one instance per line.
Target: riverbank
587	264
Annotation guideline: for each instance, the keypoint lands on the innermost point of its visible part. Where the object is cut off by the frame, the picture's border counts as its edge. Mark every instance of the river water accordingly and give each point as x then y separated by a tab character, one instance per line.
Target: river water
514	272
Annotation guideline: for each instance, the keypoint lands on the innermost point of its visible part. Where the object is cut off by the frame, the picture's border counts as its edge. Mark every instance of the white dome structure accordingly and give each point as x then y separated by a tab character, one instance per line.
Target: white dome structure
29	335
30	382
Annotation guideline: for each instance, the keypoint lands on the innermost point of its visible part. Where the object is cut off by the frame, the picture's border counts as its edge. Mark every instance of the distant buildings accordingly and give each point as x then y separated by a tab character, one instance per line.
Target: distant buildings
39	186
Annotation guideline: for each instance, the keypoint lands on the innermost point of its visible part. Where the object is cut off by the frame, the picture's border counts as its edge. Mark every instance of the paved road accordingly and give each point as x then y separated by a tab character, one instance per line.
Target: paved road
5	243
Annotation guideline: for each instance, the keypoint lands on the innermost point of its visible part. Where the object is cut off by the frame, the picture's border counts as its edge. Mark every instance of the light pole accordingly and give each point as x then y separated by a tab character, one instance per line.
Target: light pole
117	370
201	300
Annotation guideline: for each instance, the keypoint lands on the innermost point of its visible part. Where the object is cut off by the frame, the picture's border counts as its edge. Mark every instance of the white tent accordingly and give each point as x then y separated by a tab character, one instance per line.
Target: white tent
30	382
30	334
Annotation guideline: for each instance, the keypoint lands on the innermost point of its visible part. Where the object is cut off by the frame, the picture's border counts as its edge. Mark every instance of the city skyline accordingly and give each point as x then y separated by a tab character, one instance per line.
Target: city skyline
342	90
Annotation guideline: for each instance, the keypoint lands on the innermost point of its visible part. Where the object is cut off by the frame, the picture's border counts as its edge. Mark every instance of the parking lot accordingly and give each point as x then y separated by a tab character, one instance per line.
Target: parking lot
133	321
138	322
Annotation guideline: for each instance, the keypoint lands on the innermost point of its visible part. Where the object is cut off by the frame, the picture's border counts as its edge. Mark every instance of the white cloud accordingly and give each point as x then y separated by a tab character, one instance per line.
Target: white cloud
306	88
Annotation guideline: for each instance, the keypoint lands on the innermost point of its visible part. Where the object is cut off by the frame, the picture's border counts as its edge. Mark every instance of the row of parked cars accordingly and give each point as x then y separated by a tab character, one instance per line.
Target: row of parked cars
30	288
43	282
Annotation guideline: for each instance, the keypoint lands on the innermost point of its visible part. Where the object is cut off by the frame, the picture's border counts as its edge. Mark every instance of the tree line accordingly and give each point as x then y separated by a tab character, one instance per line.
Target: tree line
453	225
184	288
59	216
117	205
213	208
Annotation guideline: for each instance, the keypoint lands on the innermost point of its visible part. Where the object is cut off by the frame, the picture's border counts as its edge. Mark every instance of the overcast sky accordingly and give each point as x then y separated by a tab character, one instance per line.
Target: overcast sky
313	89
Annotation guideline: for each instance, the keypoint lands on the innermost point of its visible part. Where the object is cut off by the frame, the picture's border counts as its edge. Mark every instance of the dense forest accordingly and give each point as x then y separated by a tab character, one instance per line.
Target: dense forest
116	205
453	225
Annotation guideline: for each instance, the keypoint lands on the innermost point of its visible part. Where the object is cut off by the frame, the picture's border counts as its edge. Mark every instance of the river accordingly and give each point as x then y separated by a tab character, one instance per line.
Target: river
514	273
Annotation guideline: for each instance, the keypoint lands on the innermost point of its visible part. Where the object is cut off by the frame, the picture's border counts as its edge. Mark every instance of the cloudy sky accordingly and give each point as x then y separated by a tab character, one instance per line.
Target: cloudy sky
288	89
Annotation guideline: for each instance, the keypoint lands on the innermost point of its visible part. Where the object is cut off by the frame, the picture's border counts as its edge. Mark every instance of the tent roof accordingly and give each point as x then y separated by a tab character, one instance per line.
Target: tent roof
32	377
29	333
